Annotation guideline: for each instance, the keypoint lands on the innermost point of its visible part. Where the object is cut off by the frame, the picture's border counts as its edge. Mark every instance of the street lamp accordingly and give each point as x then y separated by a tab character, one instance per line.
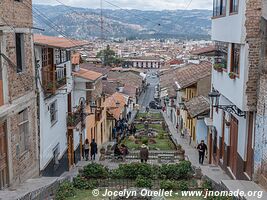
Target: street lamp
215	95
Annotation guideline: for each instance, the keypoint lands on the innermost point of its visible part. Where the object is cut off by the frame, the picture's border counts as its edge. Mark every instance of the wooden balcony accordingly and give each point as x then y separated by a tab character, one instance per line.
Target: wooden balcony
53	78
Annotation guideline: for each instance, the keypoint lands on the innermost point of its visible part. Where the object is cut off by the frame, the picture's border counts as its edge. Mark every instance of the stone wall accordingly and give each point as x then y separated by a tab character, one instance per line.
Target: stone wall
25	164
17	14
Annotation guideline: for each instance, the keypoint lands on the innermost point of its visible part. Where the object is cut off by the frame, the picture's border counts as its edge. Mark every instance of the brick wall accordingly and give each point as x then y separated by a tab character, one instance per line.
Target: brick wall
21	83
252	23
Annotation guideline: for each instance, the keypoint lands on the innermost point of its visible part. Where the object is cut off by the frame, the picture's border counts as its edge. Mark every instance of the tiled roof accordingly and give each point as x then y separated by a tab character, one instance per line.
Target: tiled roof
100	69
192	73
87	74
129	90
109	87
198	106
59	42
167	80
176	62
126	78
75	59
204	50
110	103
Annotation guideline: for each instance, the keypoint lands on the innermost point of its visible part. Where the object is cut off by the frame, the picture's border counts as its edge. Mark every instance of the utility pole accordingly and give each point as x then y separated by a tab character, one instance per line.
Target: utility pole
102	22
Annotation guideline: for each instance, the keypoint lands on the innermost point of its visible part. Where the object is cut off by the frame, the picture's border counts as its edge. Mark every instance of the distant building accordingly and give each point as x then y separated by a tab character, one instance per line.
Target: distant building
145	62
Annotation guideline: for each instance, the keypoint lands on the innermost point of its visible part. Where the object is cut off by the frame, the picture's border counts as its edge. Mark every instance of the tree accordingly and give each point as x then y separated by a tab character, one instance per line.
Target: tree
109	57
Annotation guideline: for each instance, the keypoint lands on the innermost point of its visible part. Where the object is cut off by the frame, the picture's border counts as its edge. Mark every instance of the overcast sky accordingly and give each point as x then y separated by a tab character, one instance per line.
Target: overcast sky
135	4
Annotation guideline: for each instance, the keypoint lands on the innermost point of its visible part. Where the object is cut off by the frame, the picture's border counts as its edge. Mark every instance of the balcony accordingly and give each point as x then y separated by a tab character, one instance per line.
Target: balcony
53	78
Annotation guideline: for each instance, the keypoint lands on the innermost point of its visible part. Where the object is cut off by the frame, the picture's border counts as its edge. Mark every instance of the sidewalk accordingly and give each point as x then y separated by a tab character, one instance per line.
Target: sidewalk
211	171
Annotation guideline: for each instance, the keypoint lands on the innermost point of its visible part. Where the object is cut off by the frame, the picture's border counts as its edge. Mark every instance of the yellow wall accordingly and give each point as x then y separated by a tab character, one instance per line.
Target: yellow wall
98	130
189	123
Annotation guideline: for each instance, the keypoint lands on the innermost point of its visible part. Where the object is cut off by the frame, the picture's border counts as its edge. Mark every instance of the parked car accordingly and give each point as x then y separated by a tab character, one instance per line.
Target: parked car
155	105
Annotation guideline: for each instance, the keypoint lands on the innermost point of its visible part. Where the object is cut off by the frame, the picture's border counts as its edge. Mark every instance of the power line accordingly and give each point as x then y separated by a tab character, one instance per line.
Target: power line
49	23
114	5
70	8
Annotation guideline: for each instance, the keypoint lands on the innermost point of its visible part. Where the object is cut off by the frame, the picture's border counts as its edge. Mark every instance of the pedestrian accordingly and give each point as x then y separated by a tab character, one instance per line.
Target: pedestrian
202	148
144	153
93	146
86	149
117	152
124	151
130	115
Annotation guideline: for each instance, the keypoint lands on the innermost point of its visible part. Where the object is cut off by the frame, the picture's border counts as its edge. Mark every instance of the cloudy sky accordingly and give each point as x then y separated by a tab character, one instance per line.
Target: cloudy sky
135	4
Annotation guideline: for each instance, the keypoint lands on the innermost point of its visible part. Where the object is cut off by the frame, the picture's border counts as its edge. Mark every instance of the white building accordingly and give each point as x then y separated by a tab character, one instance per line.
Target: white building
59	118
232	130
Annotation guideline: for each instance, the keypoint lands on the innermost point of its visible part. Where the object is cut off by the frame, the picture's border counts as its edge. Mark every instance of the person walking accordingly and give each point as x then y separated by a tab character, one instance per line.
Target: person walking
86	149
144	153
202	148
93	146
124	150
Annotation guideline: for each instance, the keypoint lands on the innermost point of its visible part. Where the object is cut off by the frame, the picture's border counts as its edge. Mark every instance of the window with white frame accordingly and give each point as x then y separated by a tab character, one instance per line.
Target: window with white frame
23	130
53	112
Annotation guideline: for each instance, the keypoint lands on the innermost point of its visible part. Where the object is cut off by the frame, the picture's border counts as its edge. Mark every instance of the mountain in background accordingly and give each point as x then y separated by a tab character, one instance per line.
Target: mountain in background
84	23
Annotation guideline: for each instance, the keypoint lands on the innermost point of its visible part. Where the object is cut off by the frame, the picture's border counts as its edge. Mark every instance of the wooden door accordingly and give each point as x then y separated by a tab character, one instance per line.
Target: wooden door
222	140
70	149
249	163
3	158
233	144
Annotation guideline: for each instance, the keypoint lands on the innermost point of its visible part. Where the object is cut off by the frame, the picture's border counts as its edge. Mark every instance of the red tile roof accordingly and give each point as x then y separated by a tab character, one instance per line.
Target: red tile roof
204	50
87	74
192	73
59	42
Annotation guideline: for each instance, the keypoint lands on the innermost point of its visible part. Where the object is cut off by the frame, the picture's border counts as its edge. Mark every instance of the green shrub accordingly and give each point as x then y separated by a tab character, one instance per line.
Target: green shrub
65	190
176	171
132	170
207	185
143	182
95	170
183	185
84	184
168	185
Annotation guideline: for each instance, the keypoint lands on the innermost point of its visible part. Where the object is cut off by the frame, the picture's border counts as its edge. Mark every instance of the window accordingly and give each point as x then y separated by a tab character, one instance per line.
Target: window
56	154
234	6
19	51
23	131
235	58
53	112
219	8
57	56
221	56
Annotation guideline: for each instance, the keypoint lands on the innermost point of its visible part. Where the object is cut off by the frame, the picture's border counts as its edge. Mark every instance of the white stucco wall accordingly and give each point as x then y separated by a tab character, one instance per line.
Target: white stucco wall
231	27
201	131
222	82
52	135
242	129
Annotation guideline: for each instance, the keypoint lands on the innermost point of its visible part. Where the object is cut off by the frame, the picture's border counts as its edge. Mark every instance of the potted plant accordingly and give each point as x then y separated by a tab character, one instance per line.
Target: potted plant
232	75
218	67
